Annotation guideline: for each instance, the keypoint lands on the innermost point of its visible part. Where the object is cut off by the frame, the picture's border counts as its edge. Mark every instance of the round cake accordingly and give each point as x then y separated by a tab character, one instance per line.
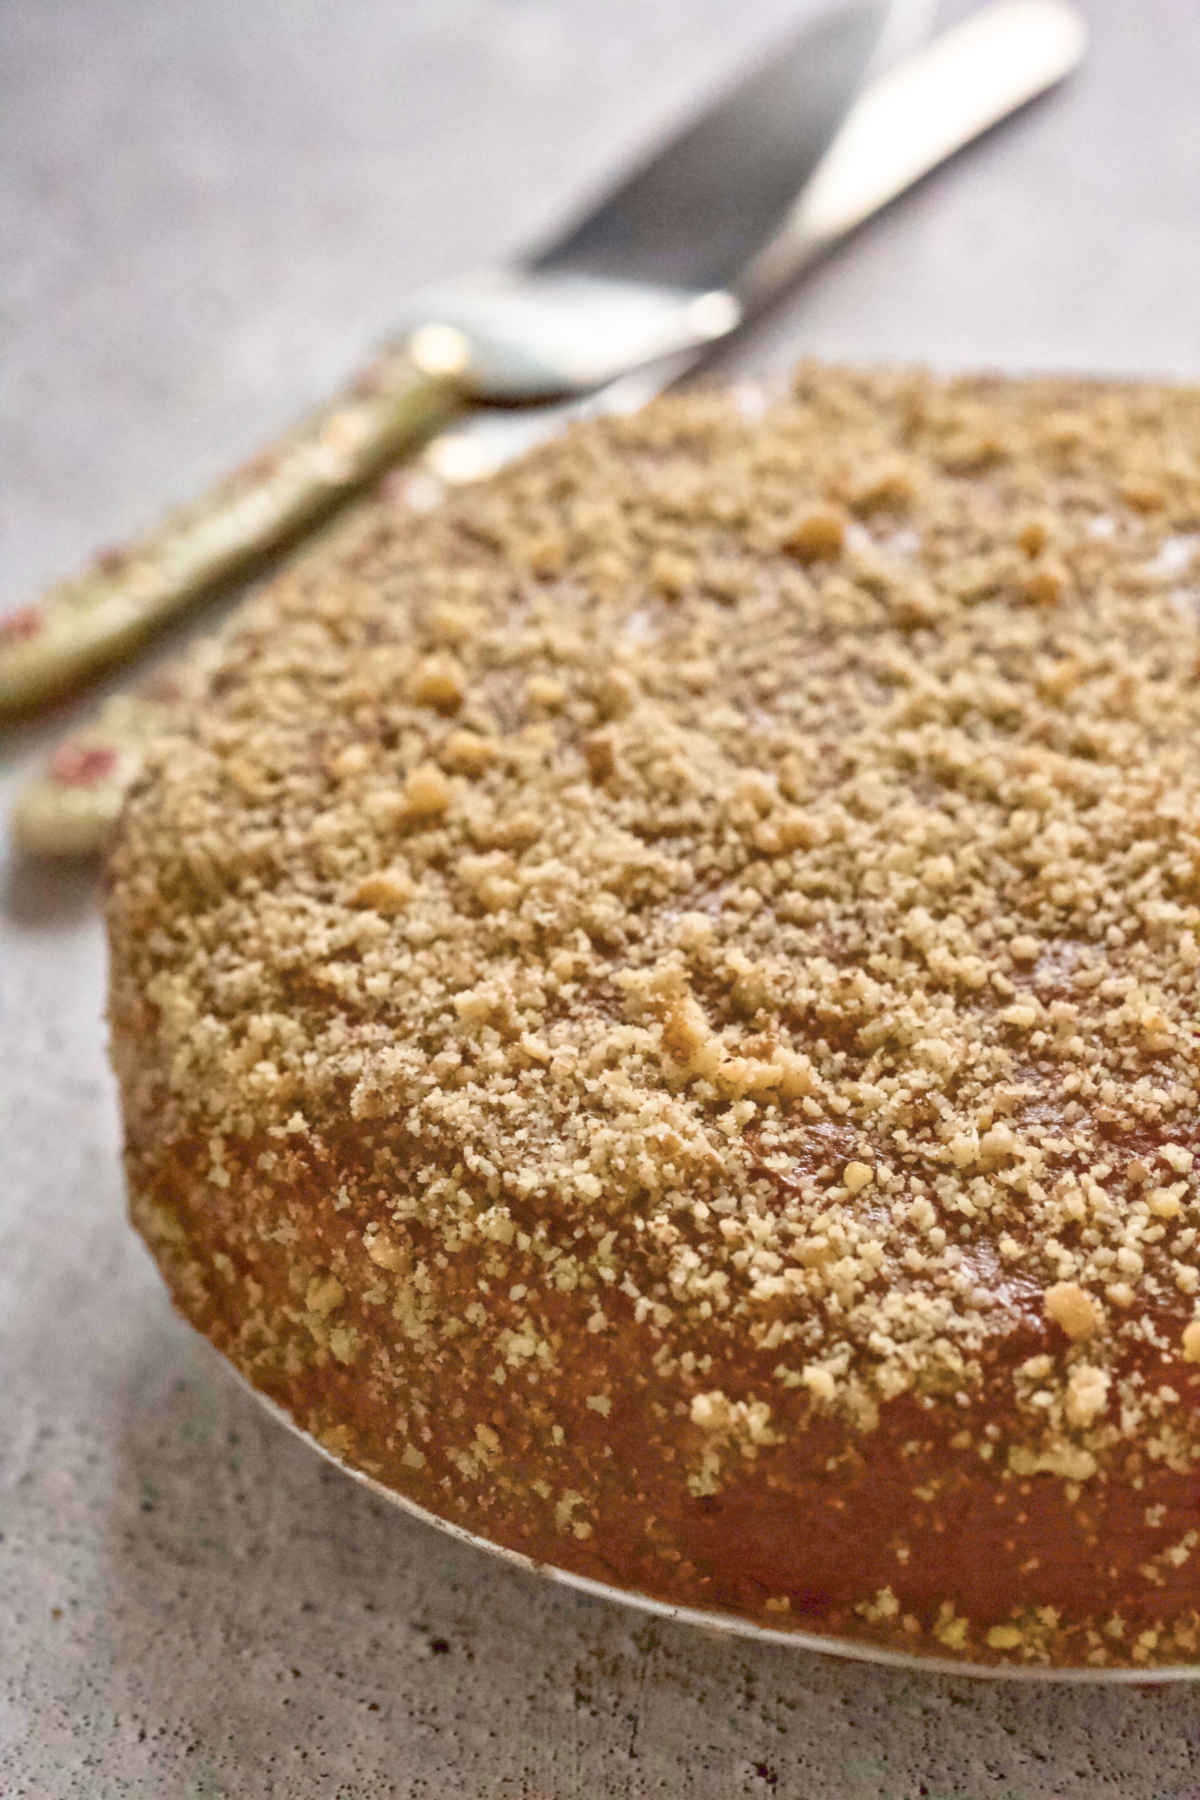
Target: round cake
656	1009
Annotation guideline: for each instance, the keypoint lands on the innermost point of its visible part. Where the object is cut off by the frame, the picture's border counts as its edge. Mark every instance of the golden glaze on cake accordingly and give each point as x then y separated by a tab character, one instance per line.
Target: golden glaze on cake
656	1009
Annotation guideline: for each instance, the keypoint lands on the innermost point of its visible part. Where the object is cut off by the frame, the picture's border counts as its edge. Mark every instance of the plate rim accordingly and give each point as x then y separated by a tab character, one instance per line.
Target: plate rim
713	1623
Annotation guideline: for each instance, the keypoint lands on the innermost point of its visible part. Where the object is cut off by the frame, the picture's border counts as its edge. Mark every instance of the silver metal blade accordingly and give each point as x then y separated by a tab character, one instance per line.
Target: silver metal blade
654	270
703	205
906	122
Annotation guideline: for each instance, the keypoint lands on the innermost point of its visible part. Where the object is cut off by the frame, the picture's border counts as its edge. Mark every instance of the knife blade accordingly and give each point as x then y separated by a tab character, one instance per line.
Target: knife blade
630	282
701	208
906	122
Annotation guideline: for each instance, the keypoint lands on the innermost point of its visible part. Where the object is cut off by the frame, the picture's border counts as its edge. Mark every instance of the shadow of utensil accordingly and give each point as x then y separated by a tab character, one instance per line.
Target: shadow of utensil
43	895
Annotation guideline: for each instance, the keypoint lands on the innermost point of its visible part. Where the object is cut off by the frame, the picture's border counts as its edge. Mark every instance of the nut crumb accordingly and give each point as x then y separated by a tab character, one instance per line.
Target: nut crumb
1072	1309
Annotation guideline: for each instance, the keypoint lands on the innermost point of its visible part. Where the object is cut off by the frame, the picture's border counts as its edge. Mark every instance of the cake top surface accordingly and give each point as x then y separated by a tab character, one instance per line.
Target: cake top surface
752	865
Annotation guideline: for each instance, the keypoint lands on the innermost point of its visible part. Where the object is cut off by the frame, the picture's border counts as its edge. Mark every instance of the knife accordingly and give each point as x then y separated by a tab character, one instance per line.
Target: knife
904	124
650	271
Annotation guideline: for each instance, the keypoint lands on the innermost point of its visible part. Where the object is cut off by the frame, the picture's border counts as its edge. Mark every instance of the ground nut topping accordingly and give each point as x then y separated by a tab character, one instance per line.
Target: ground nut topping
732	881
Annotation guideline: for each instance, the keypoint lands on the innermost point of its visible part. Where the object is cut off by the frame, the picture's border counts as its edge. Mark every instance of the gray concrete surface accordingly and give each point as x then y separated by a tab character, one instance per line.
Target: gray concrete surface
206	212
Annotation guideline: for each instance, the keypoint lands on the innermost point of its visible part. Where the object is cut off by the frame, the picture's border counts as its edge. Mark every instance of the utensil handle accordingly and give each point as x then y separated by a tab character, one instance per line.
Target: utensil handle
69	807
126	595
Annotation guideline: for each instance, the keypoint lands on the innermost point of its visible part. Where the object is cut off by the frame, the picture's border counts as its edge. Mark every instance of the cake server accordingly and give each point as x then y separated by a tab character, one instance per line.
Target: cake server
903	125
654	269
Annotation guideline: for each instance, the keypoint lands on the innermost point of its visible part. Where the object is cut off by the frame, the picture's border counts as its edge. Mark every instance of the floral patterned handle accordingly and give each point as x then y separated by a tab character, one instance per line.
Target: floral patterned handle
126	595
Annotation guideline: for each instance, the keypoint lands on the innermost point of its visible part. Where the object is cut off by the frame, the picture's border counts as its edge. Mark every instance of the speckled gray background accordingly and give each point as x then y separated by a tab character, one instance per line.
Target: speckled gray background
206	213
